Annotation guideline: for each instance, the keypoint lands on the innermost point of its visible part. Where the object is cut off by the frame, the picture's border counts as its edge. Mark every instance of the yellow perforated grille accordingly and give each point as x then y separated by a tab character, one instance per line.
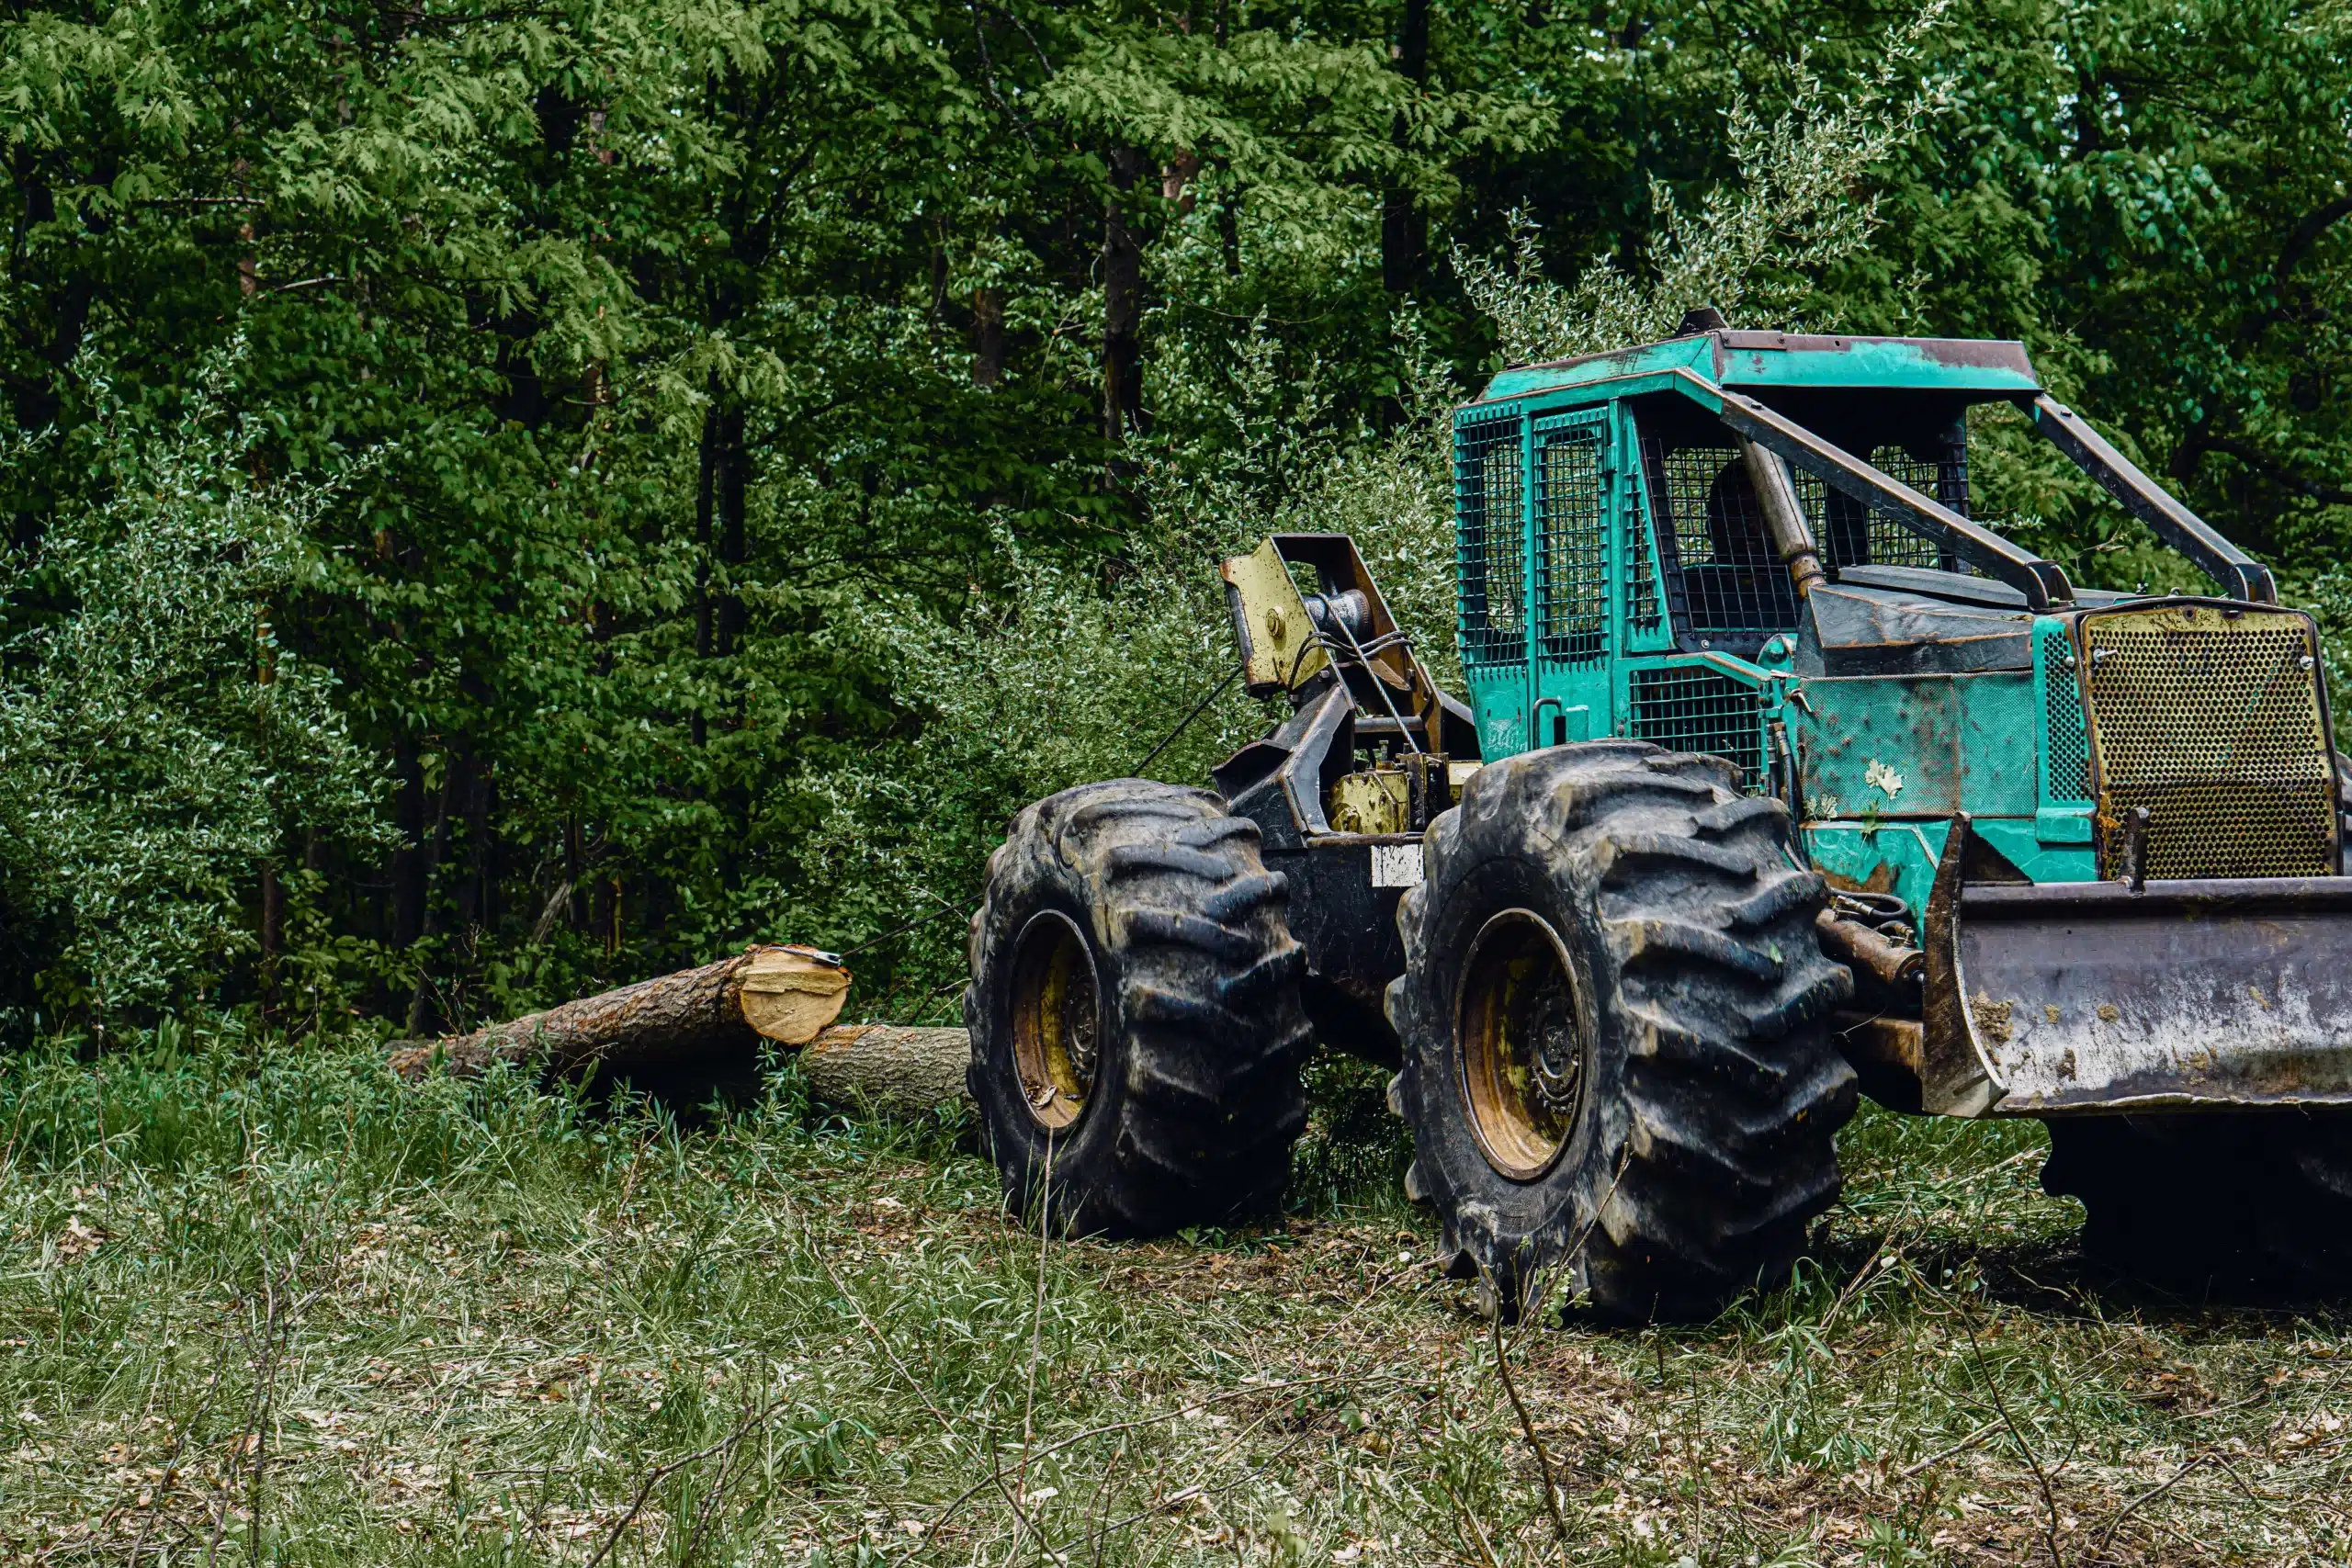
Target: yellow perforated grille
2214	723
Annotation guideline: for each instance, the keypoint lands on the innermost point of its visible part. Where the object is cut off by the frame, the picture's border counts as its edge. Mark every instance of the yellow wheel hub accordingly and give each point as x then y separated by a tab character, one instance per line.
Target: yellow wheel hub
1524	1043
1056	1020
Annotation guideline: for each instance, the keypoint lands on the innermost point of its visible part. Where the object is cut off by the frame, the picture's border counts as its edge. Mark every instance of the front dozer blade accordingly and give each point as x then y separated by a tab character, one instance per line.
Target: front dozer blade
2051	997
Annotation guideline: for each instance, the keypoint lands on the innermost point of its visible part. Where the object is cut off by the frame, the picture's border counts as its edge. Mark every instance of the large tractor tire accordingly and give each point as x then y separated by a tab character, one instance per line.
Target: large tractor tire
2306	1226
1614	1012
2214	1200
2157	1193
1137	1030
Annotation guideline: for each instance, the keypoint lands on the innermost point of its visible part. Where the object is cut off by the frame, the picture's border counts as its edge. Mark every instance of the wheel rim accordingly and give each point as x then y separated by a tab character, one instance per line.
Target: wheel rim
1523	1043
1056	1020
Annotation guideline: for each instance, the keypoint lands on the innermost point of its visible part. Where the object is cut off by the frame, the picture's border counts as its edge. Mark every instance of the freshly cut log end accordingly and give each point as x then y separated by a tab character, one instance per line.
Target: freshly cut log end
716	1013
788	995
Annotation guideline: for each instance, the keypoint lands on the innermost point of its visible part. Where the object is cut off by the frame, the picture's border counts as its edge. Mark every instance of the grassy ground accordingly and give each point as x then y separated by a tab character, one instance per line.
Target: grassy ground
262	1305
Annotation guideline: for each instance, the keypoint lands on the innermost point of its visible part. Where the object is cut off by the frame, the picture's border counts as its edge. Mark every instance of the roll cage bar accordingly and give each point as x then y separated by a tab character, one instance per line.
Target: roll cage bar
2043	583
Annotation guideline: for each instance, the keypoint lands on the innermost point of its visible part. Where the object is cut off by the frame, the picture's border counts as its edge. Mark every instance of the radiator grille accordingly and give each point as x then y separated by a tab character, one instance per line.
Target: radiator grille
1703	711
1571	549
1487	501
2070	764
2214	724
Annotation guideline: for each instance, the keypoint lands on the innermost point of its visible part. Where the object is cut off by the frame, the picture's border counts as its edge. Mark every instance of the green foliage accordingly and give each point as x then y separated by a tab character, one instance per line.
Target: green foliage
1754	247
2154	198
1063	673
159	736
751	519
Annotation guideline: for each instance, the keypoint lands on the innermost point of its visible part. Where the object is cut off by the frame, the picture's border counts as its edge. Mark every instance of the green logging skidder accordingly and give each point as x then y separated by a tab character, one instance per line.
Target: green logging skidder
1779	779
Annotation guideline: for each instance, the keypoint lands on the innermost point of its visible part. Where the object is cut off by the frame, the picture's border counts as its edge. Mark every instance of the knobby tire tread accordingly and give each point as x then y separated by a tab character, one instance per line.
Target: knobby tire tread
1702	1175
1198	1097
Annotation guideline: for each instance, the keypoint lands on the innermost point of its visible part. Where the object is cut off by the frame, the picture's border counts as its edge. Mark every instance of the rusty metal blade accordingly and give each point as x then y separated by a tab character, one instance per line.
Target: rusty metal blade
2090	995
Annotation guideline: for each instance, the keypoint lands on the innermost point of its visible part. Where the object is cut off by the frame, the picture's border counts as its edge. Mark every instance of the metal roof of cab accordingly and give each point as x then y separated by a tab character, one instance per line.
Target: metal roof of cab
1989	365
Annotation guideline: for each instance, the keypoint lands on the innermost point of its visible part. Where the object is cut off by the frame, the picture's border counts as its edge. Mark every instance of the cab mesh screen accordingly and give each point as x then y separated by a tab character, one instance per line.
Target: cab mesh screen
1732	576
1641	580
1716	540
1488	545
1571	547
1850	534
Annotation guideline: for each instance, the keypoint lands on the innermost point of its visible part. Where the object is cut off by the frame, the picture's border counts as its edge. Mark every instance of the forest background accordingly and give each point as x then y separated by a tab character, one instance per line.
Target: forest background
503	498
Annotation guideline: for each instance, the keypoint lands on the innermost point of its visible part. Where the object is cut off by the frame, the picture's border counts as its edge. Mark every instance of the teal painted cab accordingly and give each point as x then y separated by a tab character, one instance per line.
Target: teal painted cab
2084	851
1618	579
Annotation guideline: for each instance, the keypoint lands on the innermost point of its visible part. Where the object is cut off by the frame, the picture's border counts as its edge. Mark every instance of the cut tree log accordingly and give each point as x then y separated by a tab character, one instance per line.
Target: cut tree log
681	1036
908	1071
716	1015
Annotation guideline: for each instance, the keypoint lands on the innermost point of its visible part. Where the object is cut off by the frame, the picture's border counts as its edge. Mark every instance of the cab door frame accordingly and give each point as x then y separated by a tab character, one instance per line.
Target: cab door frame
1490	572
1576	574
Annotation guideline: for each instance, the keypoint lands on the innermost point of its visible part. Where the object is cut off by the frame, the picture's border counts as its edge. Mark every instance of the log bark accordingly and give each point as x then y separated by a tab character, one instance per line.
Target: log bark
711	1015
680	1035
905	1071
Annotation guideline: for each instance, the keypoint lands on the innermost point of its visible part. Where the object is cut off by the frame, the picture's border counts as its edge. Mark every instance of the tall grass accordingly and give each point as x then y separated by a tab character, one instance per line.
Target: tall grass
263	1304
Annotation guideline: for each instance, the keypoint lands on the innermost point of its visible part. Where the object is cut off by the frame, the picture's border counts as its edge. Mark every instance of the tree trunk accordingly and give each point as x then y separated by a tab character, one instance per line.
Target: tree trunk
423	1014
273	938
734	489
409	866
1121	300
909	1071
574	867
706	514
679	1036
477	906
1176	180
1404	235
716	1015
988	337
721	488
